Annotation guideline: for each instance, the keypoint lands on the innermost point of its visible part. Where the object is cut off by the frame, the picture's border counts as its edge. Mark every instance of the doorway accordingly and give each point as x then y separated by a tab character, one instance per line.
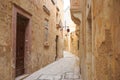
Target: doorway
21	26
56	47
21	41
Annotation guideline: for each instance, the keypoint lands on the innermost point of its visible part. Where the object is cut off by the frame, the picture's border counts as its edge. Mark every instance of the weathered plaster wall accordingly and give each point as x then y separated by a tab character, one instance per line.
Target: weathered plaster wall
39	56
102	62
115	23
66	42
105	22
59	31
74	47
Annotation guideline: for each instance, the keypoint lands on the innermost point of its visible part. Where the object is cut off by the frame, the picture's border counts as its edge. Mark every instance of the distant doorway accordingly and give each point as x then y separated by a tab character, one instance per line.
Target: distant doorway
56	47
22	23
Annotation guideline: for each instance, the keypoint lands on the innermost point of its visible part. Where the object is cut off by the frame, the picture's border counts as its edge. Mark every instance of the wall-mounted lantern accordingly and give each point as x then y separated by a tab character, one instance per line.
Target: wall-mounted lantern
46	44
68	30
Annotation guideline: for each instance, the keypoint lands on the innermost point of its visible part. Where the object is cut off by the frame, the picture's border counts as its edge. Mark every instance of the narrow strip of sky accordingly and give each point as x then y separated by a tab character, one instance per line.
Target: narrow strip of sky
66	3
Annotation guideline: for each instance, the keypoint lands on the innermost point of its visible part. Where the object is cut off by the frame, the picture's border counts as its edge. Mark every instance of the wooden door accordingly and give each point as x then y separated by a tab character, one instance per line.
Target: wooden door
22	23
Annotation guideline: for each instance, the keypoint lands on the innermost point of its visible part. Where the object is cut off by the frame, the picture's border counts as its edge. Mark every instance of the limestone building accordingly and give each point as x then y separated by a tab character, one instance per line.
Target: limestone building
98	23
74	43
70	35
30	35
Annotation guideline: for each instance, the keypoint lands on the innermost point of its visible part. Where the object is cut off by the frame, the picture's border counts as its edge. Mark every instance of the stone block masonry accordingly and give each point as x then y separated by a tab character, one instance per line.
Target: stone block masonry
37	56
99	38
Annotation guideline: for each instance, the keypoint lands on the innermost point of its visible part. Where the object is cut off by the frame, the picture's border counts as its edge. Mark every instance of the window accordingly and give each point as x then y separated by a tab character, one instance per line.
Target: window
46	25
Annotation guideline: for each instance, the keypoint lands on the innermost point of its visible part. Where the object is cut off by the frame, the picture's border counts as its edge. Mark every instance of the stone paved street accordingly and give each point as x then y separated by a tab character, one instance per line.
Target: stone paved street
66	68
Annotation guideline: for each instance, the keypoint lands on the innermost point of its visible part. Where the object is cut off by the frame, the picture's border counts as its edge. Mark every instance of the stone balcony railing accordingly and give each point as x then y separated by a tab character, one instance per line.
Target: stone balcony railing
76	9
76	12
75	4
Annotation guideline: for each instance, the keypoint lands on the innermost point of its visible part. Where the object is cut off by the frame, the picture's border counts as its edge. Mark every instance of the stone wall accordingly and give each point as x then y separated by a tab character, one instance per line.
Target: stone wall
59	31
74	43
99	45
39	55
105	23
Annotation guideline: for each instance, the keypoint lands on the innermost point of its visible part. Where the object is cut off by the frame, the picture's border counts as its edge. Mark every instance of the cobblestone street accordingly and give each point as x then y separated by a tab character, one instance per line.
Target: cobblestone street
66	68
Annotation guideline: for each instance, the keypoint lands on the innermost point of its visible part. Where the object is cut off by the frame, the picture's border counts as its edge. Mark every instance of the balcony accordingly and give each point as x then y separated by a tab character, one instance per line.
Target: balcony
76	9
75	5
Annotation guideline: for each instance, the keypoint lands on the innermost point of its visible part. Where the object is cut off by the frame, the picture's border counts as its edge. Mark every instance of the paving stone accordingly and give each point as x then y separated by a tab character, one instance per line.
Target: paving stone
71	79
59	77
69	75
63	69
76	76
46	77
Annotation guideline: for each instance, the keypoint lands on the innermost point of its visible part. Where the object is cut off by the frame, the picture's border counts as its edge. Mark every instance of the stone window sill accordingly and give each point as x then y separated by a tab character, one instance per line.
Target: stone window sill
46	44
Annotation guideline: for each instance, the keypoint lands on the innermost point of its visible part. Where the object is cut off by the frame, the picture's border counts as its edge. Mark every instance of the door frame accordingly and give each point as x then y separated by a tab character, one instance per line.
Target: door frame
17	9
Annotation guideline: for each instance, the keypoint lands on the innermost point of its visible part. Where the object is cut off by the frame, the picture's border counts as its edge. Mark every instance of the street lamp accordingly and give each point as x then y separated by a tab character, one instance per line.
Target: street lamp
67	28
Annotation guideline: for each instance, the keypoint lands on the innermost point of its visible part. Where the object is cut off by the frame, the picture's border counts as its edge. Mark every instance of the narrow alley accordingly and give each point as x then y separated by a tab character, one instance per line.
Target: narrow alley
59	39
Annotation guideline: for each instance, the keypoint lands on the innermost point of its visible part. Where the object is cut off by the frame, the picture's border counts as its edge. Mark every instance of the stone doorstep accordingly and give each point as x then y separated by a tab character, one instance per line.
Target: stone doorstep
22	77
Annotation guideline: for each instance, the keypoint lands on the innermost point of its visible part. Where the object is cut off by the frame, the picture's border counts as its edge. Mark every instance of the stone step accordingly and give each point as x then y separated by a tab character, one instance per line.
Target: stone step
22	77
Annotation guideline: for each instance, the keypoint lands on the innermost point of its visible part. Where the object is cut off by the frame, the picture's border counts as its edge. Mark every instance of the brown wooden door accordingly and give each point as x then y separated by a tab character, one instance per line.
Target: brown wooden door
20	44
